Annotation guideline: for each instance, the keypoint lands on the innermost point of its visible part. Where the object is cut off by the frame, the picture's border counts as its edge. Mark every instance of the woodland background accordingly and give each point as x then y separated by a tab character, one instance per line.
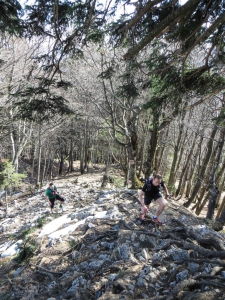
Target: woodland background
139	84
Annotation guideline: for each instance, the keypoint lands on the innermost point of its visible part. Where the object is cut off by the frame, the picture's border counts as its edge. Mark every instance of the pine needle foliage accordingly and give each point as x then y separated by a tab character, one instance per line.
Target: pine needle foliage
10	178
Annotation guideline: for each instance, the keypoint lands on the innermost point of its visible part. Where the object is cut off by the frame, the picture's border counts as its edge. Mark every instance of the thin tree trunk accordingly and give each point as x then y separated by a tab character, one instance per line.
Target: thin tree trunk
203	168
213	188
39	156
150	164
184	170
205	184
160	159
44	167
127	169
171	180
82	158
221	209
6	201
61	162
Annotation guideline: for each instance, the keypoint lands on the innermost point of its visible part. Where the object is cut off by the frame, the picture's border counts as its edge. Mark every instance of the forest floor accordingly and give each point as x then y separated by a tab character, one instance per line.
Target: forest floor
98	249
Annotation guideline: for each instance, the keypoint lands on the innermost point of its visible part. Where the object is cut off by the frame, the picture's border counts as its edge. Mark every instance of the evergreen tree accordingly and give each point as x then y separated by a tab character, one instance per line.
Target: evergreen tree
10	178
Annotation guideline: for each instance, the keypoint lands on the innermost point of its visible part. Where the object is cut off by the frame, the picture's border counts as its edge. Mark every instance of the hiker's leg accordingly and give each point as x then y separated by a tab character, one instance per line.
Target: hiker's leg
52	202
60	198
142	209
162	204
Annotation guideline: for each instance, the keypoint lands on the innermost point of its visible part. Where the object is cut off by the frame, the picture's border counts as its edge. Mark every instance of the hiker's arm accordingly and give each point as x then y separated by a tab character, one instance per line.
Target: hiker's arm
142	201
166	191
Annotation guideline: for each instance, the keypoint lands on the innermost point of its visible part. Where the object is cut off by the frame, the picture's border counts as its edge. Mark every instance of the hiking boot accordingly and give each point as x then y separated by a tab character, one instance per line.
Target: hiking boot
157	221
142	217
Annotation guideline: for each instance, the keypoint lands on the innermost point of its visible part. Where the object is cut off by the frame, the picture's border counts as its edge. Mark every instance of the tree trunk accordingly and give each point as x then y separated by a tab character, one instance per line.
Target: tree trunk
150	164
203	168
163	147
132	152
126	169
204	186
26	134
213	188
44	167
221	219
171	180
221	209
6	201
39	156
61	162
184	170
82	158
11	138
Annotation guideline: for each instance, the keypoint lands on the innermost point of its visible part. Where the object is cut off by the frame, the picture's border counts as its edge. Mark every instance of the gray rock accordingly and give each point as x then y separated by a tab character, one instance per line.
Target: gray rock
142	237
182	276
130	287
144	253
172	284
178	254
141	282
51	243
116	227
72	289
145	271
108	245
223	274
112	277
207	268
193	267
124	251
95	264
18	271
95	247
159	256
76	254
84	265
102	256
52	285
152	276
133	236
144	296
141	258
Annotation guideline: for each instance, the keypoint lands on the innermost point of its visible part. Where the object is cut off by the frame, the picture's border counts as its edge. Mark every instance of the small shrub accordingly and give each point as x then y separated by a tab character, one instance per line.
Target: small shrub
75	245
118	181
23	235
41	222
27	250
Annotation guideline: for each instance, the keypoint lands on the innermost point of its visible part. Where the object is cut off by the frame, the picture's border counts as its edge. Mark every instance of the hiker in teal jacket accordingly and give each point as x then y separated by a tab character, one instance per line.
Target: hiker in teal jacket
52	195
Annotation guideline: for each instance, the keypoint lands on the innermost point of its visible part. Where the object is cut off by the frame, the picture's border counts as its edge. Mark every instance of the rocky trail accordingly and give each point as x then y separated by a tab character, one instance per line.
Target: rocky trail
98	248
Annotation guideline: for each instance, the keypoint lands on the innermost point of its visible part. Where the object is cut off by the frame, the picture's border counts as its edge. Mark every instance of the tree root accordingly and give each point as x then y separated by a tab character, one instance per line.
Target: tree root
191	283
205	252
212	241
200	260
46	270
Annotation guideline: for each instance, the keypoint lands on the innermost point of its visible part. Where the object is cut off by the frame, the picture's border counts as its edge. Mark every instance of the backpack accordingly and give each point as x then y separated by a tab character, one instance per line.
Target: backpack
148	181
53	192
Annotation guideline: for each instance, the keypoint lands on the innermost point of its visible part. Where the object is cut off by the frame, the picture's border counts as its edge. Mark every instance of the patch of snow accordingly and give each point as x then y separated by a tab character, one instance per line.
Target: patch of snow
54	225
12	250
73	227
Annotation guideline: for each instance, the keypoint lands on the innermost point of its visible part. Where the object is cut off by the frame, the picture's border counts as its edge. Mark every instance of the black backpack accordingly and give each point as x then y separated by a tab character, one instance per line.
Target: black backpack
148	182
